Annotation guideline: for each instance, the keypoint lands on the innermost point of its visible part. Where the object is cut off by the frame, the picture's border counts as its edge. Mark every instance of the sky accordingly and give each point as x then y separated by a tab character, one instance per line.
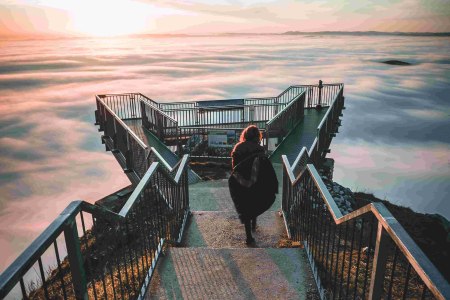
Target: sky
122	17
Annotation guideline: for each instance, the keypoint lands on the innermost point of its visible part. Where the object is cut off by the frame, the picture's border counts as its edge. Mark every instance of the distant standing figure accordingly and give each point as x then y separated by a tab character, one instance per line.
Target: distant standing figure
253	182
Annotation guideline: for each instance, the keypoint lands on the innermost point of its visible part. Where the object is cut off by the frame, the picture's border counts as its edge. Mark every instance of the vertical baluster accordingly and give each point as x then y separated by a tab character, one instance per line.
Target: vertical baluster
140	250
124	258
60	273
350	258
369	249
119	275
130	257
408	273
108	266
341	277
315	233
144	230
309	209
23	290
75	259
361	235
337	261
330	272
319	233
394	264
329	220
44	281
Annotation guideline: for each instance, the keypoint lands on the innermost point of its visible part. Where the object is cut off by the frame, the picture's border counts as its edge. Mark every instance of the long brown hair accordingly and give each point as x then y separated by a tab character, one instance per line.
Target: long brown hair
251	133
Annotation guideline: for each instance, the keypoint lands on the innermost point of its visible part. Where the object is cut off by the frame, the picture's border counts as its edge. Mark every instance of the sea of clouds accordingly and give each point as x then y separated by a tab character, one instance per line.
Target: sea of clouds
394	141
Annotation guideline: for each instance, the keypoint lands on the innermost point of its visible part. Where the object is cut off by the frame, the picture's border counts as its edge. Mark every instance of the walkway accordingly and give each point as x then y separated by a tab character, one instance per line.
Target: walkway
213	261
302	136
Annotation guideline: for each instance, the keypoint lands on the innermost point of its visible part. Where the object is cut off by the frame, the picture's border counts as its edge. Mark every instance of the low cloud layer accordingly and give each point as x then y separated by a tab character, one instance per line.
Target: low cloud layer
395	124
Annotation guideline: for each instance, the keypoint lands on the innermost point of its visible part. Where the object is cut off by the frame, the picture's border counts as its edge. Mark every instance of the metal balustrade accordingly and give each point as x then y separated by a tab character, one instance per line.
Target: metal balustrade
171	122
158	122
284	121
128	148
364	254
327	127
92	251
321	94
108	254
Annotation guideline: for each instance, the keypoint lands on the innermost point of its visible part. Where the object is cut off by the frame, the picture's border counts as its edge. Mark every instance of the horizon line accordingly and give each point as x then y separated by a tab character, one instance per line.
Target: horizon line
290	32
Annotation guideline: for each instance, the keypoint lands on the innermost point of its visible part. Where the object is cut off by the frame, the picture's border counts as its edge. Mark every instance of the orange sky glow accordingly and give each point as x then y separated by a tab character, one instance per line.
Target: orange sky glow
123	17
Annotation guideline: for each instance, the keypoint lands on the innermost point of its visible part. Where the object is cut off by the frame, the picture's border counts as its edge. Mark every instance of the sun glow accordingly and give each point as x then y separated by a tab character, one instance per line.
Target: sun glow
108	18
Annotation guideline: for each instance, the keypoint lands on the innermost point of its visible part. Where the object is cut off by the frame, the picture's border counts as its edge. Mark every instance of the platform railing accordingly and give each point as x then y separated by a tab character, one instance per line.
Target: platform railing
327	128
158	122
285	120
365	254
121	140
126	106
320	94
91	252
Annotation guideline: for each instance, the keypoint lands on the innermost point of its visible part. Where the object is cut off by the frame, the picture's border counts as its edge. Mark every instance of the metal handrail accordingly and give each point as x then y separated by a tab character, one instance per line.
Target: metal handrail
122	123
236	106
281	112
216	128
151	101
330	108
195	102
159	110
419	261
141	143
161	159
10	277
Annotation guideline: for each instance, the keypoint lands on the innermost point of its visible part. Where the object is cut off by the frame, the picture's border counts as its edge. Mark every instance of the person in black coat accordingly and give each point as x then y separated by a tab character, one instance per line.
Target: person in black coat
253	183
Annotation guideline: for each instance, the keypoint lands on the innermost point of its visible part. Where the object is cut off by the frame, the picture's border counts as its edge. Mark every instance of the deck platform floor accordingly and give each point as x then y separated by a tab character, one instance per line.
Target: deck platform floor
302	135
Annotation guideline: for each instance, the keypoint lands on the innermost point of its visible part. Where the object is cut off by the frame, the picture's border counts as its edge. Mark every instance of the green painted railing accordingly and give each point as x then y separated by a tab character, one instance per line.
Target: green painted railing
114	254
365	254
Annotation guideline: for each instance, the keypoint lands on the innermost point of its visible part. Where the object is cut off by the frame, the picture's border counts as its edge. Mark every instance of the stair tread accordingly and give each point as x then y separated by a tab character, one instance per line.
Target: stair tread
251	273
222	229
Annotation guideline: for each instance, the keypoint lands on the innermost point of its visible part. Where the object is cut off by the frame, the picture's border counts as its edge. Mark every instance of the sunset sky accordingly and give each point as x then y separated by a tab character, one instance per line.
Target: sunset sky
119	17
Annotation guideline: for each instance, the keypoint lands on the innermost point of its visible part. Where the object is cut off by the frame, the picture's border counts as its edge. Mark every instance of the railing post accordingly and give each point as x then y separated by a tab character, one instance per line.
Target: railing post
179	145
75	260
144	115
128	155
379	264
251	112
320	92
114	137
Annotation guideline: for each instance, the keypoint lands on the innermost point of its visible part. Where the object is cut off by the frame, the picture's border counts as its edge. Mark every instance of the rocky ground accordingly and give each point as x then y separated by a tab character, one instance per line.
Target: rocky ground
343	196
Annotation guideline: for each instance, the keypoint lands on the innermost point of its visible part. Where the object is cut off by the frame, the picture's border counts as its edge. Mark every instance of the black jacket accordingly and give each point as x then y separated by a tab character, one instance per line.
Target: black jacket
259	197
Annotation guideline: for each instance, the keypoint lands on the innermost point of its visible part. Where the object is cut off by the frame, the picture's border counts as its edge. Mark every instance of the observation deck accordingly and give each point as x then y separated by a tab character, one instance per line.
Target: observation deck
172	235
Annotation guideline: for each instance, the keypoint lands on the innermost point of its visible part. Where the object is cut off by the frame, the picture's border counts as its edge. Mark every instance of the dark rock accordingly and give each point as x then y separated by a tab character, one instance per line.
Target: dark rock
396	63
